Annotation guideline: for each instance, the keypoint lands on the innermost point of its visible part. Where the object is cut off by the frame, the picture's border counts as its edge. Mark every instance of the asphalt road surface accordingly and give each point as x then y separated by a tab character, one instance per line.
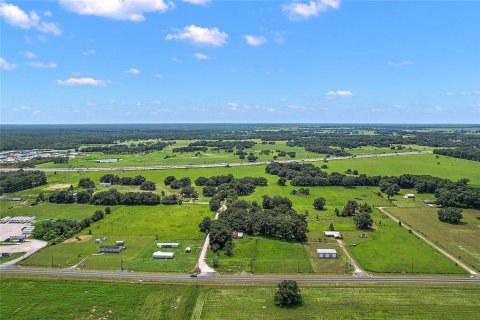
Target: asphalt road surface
216	165
246	278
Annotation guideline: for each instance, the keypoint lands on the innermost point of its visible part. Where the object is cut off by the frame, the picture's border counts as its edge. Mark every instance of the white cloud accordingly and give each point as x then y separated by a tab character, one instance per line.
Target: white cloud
255	41
200	36
158	75
83	82
198	2
434	109
29	54
47	13
232	106
400	63
305	10
131	10
156	102
463	93
279	37
15	16
201	56
133	71
270	110
44	65
4	65
339	93
88	52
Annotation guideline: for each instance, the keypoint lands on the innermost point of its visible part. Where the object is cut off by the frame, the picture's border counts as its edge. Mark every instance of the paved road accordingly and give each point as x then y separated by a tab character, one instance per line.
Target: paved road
430	243
216	165
247	278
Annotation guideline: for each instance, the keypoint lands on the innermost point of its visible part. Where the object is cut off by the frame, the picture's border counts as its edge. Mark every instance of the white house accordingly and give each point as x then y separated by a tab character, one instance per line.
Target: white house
162	255
168	245
334	234
105	184
409	196
327	253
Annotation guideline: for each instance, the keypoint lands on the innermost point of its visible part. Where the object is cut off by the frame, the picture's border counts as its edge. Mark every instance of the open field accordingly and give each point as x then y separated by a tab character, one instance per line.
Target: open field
462	240
450	168
141	227
392	249
27	298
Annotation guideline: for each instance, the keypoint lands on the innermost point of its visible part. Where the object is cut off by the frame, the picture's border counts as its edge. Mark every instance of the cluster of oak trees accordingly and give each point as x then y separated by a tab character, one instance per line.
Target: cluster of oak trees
21	180
469	153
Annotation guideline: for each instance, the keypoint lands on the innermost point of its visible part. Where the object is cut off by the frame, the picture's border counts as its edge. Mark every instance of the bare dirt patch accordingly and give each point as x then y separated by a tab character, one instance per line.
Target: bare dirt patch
58	186
83	238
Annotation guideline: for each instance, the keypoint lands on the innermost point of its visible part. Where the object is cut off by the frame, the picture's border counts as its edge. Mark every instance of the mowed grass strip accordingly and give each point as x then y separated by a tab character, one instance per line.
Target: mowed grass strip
390	248
462	240
404	302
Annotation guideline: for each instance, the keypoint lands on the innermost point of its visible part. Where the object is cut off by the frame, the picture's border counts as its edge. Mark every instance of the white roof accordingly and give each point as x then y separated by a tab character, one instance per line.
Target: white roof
168	244
162	254
326	251
332	233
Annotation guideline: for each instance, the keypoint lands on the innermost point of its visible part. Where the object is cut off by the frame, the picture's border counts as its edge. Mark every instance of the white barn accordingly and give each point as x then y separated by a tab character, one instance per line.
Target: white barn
327	253
162	255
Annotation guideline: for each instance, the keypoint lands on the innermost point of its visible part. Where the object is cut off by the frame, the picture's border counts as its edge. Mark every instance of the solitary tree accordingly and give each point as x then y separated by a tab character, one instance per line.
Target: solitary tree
288	294
363	221
331	227
282	181
319	203
450	215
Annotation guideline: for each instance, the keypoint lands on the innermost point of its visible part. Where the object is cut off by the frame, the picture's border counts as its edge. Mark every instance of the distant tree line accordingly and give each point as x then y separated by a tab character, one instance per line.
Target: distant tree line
468	153
227	146
128	181
58	230
14	181
142	147
190	149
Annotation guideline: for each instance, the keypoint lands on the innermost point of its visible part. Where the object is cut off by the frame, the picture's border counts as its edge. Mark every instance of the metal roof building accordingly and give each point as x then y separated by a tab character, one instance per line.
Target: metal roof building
162	255
327	253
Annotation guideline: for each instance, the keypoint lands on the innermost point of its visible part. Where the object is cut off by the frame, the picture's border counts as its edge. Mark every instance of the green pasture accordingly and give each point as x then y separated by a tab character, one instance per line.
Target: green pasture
390	248
462	240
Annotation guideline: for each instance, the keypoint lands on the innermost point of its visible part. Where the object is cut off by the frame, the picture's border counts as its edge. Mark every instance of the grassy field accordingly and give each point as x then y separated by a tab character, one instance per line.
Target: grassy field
141	227
443	167
59	299
462	240
390	248
48	210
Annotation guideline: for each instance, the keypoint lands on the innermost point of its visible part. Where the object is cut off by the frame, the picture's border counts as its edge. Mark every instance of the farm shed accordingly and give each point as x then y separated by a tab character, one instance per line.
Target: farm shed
409	196
111	249
334	234
168	245
162	255
327	253
105	184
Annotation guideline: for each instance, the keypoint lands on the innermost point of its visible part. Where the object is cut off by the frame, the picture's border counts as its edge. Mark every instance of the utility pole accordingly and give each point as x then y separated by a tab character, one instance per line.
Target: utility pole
52	261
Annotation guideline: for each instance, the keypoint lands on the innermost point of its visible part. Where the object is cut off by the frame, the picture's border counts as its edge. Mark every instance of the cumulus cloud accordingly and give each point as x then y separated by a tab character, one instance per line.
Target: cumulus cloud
88	52
200	56
232	106
43	65
198	2
299	10
15	16
83	82
29	54
400	63
4	65
255	41
127	10
463	93
200	36
133	71
339	93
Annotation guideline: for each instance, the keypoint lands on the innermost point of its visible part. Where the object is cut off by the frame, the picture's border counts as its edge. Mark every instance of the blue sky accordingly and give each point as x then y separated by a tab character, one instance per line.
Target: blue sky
115	61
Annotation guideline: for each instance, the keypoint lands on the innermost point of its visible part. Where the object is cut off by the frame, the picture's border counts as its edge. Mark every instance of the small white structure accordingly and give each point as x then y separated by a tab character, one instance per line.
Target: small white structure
162	255
105	184
98	240
327	253
168	245
237	235
120	243
409	196
188	249
108	160
334	234
27	230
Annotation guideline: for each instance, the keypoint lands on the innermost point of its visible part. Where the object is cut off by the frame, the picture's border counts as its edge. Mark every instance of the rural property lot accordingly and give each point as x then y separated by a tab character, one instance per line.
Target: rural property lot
462	240
35	298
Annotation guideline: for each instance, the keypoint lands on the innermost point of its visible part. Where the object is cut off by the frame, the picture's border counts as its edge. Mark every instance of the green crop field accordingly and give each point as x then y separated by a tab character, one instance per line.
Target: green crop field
141	227
390	248
462	240
59	299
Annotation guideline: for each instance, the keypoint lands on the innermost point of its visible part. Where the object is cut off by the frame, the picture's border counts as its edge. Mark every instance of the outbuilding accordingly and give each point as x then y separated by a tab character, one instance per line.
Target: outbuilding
162	255
327	253
237	235
334	234
111	249
188	249
168	245
105	184
409	196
